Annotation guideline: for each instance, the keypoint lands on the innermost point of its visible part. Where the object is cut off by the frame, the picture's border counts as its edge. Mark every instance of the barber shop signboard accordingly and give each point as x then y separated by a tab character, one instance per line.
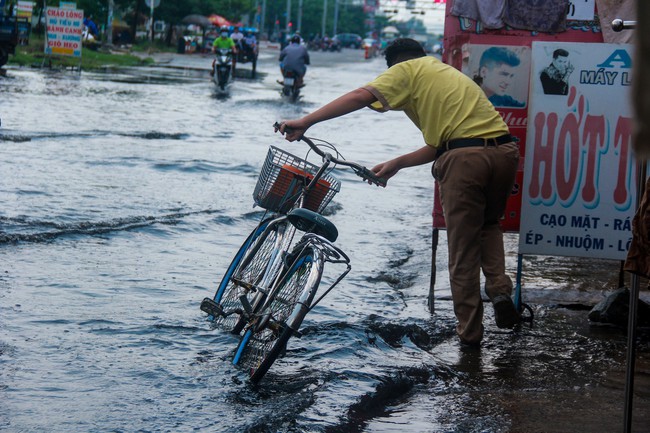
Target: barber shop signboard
578	193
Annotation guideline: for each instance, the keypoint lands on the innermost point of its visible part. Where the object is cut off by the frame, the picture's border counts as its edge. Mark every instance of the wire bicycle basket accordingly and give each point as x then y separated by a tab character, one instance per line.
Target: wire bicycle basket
282	179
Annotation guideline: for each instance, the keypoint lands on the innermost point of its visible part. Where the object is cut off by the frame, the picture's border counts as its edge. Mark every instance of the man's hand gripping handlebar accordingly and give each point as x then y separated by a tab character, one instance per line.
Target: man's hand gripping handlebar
361	171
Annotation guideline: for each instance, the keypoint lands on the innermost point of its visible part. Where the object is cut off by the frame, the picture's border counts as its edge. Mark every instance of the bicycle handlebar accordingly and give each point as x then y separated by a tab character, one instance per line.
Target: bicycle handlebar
361	171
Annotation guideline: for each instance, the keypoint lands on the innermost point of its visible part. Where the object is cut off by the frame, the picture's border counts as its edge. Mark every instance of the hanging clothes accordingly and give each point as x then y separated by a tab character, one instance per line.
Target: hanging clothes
638	256
487	12
537	15
608	11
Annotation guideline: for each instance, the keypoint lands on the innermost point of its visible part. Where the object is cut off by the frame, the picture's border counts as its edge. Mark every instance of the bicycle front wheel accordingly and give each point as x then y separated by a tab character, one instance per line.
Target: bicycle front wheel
246	271
281	316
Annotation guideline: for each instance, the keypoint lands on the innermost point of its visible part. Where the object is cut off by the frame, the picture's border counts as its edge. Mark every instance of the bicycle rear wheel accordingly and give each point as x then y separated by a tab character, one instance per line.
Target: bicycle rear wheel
246	271
282	315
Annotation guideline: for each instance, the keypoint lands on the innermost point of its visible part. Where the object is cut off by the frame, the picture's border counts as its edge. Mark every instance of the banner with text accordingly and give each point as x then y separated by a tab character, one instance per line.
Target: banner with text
64	31
24	9
579	171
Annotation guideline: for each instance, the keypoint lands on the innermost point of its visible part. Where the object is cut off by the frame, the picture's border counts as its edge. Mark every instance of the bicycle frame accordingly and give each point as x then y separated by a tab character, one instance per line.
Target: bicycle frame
330	254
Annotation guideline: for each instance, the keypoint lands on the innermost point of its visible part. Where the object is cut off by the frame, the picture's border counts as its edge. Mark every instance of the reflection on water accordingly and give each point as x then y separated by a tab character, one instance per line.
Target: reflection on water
126	195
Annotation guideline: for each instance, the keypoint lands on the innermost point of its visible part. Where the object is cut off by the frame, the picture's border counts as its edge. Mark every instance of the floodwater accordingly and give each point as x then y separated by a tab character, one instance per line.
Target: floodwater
124	197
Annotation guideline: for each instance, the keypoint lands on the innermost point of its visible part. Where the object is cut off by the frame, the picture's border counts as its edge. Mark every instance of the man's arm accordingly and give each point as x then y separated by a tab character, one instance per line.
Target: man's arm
351	101
390	168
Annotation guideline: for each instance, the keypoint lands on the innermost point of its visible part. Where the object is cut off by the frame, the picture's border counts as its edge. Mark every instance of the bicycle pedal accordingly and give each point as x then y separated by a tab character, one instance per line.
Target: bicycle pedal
212	308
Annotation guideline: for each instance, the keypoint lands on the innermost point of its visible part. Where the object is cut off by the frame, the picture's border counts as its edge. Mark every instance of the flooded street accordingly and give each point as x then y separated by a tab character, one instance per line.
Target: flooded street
125	195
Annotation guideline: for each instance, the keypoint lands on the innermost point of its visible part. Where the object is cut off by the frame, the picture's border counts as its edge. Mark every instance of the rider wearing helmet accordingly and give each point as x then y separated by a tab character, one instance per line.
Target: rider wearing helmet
225	42
294	57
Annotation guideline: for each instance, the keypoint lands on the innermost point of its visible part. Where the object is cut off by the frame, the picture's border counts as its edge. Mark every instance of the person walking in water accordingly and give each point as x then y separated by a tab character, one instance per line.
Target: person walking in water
476	161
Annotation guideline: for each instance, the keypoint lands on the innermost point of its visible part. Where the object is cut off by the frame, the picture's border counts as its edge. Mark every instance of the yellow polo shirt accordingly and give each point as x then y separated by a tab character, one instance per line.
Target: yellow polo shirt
444	103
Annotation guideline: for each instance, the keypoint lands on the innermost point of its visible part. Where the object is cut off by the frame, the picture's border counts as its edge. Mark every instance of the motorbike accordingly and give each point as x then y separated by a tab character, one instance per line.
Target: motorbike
290	87
221	68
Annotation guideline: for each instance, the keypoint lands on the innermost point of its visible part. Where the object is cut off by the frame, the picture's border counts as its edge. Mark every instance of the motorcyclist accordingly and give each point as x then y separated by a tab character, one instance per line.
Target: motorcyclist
294	57
249	43
225	42
237	36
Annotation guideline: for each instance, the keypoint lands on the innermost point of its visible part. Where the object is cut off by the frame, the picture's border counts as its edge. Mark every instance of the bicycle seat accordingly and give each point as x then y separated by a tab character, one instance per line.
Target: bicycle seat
310	221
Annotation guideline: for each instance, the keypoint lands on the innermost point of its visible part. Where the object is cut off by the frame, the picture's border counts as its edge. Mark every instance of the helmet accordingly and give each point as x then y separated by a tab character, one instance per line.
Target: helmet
295	39
224	28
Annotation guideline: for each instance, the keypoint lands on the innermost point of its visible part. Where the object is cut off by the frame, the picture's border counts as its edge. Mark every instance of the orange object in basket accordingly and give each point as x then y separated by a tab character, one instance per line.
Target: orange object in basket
288	184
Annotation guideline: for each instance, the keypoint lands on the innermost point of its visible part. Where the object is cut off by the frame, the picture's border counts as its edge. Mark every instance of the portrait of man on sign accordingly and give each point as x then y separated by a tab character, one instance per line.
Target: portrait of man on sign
502	72
555	77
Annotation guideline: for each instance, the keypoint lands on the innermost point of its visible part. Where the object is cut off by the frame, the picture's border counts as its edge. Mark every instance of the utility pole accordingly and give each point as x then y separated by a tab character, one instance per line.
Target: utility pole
336	17
324	17
109	24
263	21
151	3
299	24
288	17
256	17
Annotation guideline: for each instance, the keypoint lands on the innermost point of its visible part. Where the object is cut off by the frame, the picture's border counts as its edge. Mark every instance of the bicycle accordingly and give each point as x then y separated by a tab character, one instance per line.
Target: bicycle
272	282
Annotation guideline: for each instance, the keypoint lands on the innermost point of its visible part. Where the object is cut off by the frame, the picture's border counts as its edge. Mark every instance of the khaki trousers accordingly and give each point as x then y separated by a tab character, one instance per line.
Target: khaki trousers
475	183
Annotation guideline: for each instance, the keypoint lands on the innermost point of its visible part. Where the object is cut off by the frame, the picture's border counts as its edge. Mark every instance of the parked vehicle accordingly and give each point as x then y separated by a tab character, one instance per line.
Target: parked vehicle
331	45
349	40
324	44
8	38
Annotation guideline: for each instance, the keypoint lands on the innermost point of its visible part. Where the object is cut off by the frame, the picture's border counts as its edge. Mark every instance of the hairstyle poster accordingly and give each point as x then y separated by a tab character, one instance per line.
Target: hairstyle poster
578	193
501	71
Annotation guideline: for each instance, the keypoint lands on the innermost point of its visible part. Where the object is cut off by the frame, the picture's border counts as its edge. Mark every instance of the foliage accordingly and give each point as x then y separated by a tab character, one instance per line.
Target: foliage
351	18
170	11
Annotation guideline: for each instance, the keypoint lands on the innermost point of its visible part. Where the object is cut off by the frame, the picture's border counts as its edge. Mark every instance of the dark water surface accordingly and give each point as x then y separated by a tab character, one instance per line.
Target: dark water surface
124	196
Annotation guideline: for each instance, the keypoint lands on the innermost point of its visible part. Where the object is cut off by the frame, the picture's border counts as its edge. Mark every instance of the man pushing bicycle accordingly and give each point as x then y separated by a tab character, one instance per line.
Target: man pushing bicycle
475	165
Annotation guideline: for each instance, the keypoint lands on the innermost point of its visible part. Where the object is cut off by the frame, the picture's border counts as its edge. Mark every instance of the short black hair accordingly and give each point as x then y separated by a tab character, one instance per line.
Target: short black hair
560	52
497	56
401	49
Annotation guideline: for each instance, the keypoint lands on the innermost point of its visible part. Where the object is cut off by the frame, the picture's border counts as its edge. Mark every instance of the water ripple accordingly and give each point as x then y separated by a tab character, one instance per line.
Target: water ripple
84	228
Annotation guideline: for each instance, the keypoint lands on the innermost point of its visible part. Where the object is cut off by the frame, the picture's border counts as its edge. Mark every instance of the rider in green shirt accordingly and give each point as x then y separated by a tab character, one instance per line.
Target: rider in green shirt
225	42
